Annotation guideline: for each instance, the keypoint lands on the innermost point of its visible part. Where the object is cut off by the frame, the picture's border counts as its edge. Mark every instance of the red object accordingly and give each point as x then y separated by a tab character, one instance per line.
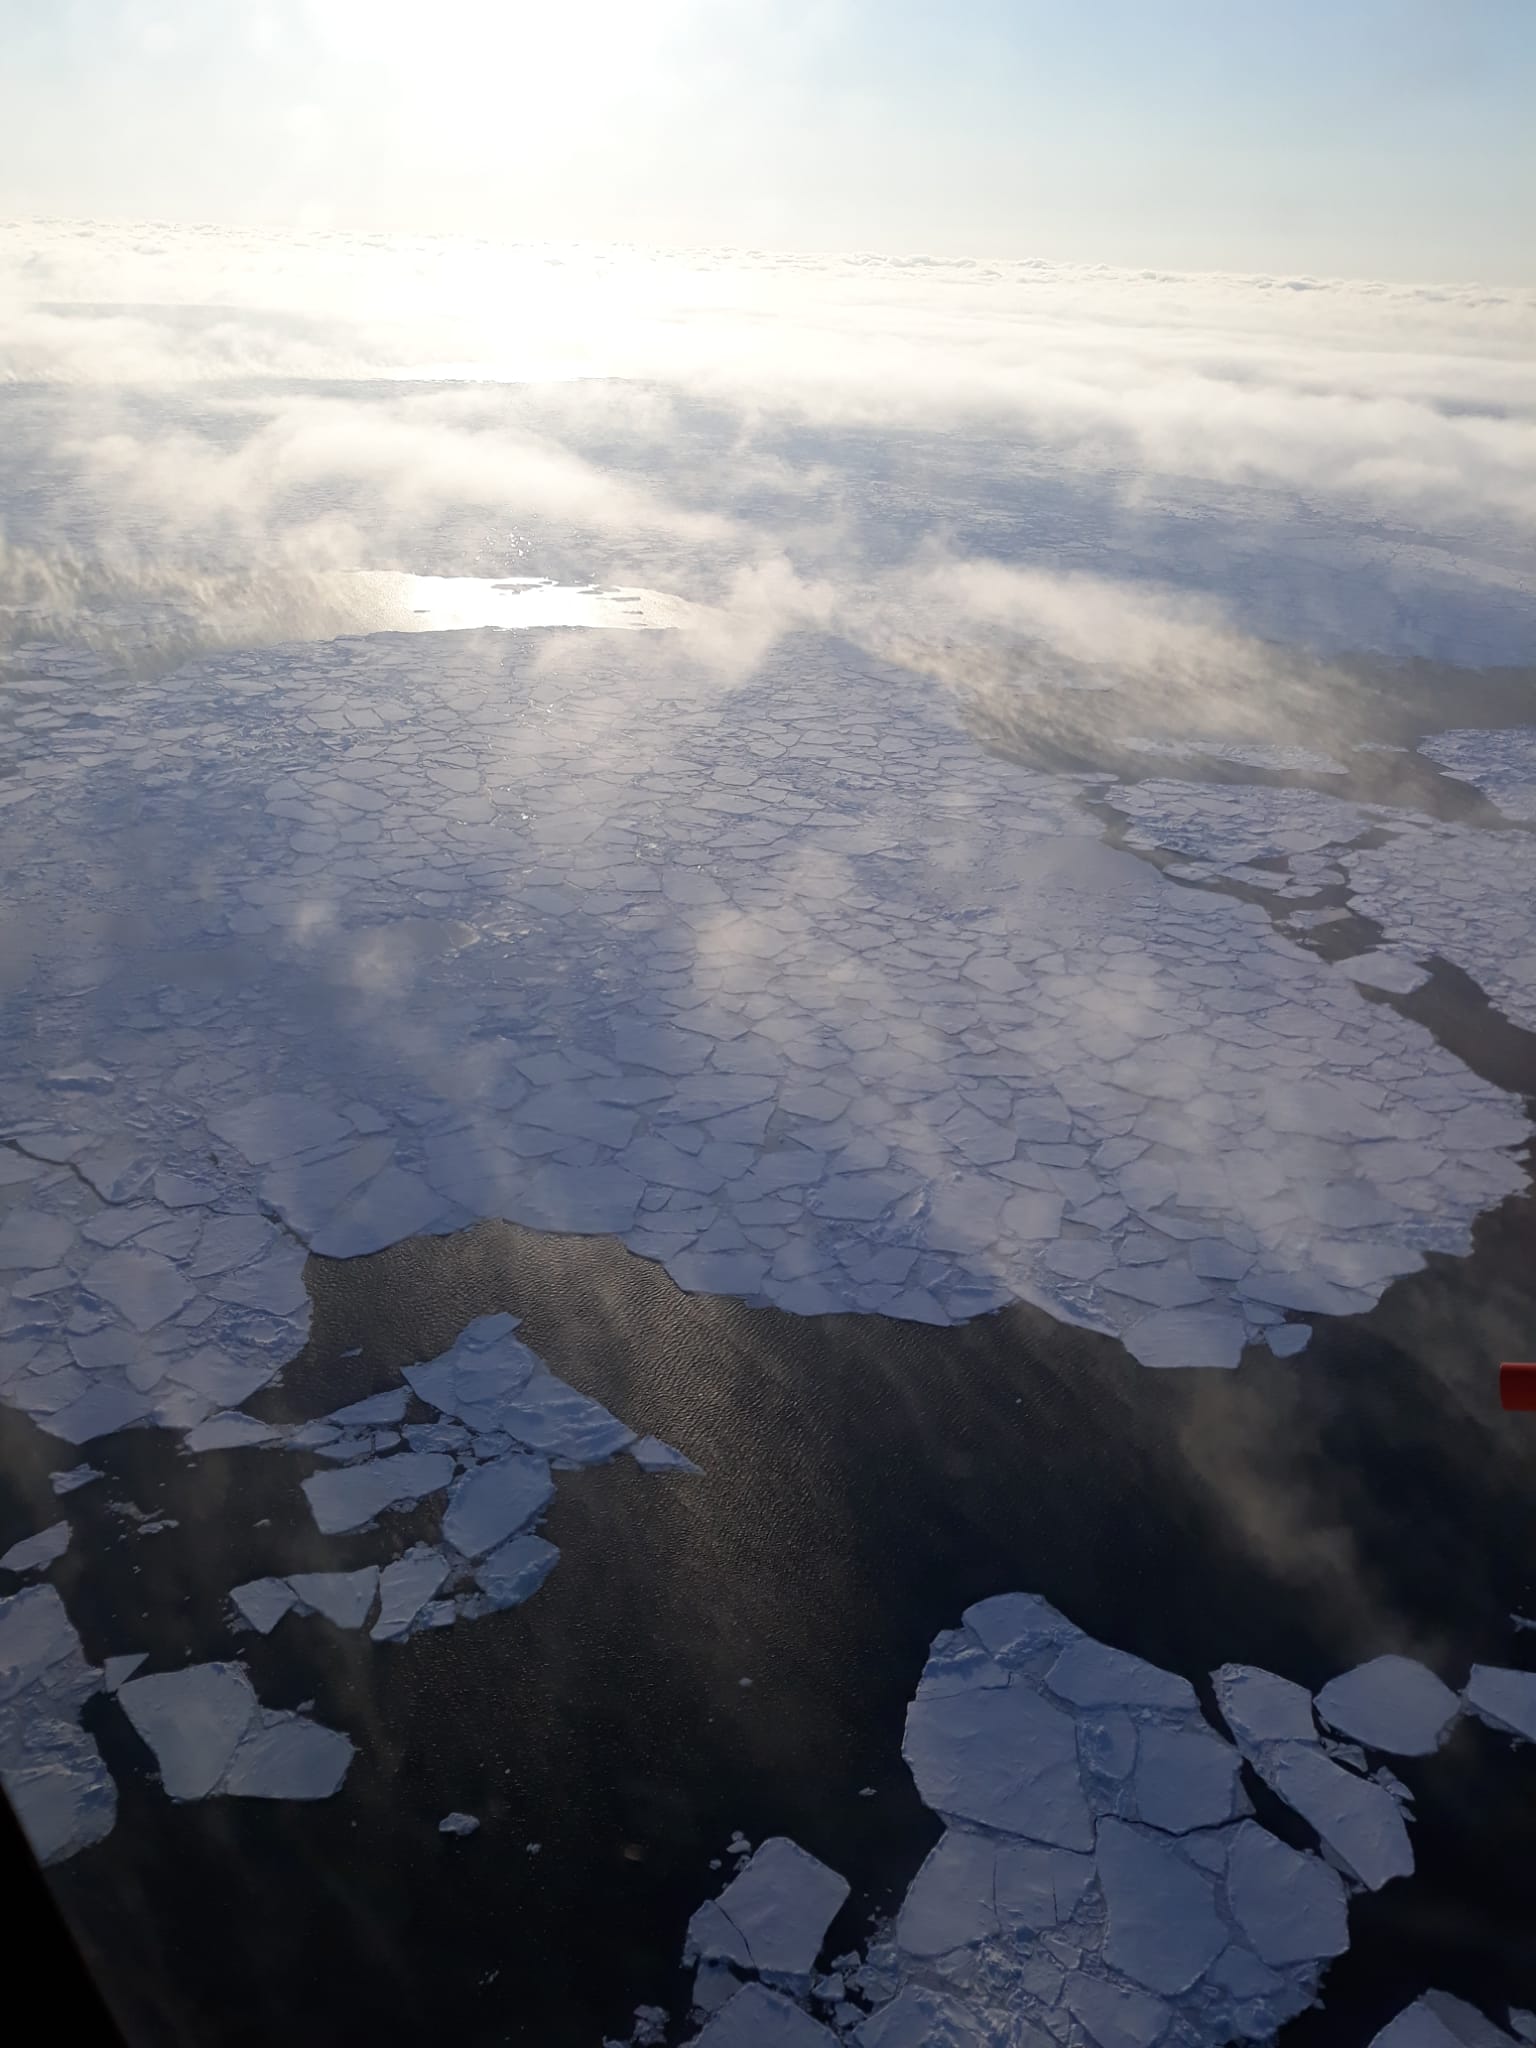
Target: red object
1517	1387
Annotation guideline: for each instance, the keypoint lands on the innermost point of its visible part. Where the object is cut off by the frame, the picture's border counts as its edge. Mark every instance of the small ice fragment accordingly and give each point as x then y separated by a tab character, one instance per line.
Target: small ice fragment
458	1824
1286	1340
1387	971
36	1553
1292	1908
652	1455
118	1669
1391	1704
77	1475
263	1602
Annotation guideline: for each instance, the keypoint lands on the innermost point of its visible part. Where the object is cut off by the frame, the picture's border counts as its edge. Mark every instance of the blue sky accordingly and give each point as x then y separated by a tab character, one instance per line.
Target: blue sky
1370	137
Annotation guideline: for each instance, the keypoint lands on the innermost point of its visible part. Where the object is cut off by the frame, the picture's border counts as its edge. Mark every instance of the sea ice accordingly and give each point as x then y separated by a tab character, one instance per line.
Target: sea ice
1504	1699
1439	2021
209	1733
263	1602
342	1597
759	2018
652	1455
352	1497
405	1587
493	1501
1391	1704
53	1774
36	1553
193	1721
780	1906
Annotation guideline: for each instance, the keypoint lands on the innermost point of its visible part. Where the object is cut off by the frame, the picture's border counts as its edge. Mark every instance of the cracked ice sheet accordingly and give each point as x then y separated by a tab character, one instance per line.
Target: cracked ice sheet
1358	1820
1171	1912
772	1917
210	1734
53	1773
1451	890
863	1017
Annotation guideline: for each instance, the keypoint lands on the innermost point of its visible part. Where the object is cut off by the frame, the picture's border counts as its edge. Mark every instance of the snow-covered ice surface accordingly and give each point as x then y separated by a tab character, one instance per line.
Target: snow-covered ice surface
53	1772
790	985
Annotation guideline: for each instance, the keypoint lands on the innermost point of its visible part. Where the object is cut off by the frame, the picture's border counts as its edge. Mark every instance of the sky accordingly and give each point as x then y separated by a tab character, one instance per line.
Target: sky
1374	138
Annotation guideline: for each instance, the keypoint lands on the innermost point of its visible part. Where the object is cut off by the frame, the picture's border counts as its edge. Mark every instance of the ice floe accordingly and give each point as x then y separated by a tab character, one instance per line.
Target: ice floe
210	1734
1358	1820
1504	1699
458	1824
1392	1704
1437	2020
772	1917
36	1553
1099	1867
52	1771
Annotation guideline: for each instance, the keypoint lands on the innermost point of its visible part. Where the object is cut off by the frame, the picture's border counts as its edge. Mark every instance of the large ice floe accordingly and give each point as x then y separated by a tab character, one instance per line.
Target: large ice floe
790	986
1100	1876
1101	1879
